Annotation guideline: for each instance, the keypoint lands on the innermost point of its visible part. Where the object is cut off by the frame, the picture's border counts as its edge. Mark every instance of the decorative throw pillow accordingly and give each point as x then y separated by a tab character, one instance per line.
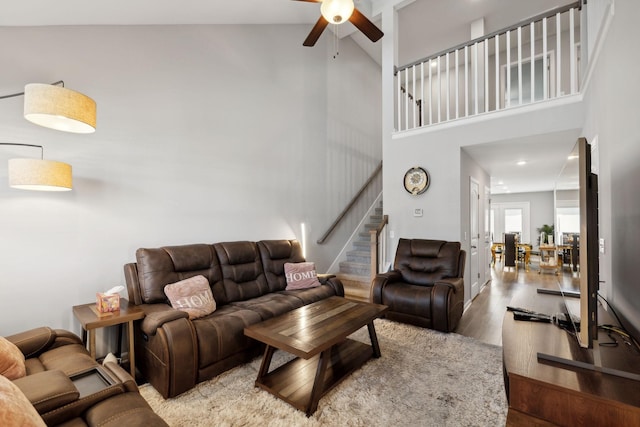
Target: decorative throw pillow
301	275
192	295
16	410
11	360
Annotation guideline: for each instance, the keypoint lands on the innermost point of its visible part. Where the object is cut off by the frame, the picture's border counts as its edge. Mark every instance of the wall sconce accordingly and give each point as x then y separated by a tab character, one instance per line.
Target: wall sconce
57	107
38	174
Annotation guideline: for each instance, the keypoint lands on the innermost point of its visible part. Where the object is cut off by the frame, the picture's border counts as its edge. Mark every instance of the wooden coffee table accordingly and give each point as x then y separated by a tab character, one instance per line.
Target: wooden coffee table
317	334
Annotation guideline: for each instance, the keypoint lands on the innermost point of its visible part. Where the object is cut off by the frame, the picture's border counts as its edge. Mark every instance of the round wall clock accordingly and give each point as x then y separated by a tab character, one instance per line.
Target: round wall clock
416	180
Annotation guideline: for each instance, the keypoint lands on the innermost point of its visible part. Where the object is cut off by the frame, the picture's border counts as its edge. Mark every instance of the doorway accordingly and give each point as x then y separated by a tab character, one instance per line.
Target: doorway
474	232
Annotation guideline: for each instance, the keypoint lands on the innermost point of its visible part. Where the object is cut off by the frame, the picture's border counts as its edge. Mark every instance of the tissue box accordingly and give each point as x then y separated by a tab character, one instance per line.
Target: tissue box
107	303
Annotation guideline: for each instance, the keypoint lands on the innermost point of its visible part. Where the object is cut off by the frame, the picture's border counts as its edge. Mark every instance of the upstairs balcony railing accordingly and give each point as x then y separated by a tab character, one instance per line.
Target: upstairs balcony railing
533	61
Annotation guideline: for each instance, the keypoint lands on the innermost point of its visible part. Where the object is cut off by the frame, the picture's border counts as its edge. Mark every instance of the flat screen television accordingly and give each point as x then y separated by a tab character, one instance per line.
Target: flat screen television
589	251
577	189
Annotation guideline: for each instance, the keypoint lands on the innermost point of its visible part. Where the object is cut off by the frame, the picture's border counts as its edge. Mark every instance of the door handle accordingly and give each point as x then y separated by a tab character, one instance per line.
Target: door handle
474	247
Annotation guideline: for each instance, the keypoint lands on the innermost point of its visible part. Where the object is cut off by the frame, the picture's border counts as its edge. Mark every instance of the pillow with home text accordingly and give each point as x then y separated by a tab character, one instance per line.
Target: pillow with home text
192	295
301	275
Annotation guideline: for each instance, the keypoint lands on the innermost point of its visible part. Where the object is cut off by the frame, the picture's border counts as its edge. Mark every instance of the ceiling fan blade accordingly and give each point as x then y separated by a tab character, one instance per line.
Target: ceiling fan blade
367	27
316	31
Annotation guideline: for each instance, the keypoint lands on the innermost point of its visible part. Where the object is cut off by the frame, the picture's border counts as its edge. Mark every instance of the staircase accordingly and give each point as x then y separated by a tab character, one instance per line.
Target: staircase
355	272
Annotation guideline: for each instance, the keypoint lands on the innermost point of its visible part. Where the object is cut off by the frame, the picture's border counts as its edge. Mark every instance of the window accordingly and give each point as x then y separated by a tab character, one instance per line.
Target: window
510	217
513	220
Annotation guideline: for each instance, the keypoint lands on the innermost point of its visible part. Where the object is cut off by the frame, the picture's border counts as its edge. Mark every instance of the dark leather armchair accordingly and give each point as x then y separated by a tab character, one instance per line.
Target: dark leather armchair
426	286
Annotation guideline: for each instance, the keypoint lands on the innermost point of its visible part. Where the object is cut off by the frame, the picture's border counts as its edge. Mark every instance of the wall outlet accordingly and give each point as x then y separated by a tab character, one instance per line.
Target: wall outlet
417	212
601	244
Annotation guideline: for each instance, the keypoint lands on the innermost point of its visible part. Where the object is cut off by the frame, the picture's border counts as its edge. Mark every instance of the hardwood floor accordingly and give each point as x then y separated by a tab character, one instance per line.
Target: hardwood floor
483	319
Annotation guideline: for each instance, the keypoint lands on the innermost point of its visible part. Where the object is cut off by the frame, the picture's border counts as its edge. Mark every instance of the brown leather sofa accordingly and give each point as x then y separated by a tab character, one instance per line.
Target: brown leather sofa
69	388
426	285
248	284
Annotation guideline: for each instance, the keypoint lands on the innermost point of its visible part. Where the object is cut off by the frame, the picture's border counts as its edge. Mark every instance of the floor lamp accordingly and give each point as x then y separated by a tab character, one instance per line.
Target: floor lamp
38	174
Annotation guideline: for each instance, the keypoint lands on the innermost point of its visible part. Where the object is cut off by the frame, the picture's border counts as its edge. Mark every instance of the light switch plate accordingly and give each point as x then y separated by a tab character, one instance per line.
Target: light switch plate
417	212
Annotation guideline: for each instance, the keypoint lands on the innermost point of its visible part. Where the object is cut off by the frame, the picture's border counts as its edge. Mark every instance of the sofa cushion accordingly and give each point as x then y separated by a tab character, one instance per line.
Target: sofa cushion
242	273
16	410
270	305
311	295
301	275
159	267
126	409
192	295
70	359
274	254
11	360
409	299
221	334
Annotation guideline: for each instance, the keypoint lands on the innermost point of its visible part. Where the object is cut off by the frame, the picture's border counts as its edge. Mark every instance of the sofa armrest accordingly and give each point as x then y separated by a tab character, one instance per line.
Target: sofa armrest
333	281
157	315
323	278
120	375
48	390
380	281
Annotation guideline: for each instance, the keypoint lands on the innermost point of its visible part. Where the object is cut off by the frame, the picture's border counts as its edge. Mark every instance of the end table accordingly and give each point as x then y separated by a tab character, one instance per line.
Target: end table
91	319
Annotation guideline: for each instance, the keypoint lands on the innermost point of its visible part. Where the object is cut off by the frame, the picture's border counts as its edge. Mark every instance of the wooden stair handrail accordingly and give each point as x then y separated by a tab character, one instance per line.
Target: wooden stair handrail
350	205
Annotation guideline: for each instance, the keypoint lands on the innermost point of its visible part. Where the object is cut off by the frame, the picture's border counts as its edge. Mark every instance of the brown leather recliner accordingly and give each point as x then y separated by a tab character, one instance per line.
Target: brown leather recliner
426	286
69	388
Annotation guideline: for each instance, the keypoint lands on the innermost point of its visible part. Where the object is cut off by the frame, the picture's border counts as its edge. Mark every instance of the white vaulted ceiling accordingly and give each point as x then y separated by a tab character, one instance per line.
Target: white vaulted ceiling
424	28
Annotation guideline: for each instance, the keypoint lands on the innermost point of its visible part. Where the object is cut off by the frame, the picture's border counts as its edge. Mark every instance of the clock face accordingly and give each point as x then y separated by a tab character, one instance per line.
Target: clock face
416	180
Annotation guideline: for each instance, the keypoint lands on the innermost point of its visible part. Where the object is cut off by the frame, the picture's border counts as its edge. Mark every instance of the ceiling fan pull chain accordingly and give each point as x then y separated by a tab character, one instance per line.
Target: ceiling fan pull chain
336	41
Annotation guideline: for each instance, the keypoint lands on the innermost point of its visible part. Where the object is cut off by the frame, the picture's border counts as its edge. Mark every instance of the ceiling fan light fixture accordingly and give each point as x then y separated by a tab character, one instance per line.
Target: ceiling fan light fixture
337	11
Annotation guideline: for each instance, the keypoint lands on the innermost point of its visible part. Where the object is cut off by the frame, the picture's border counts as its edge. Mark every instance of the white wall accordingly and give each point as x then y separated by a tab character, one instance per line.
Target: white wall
205	134
612	117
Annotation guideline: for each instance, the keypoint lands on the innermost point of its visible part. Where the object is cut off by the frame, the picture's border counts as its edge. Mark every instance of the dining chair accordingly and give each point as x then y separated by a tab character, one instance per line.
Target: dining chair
510	251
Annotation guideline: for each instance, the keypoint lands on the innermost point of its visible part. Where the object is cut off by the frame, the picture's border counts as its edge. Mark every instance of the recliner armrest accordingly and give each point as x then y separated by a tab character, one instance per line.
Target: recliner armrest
157	315
380	281
48	390
455	283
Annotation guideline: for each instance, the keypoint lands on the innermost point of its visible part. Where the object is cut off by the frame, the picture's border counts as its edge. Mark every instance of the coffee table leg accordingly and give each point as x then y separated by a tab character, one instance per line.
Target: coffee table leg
318	383
374	340
266	362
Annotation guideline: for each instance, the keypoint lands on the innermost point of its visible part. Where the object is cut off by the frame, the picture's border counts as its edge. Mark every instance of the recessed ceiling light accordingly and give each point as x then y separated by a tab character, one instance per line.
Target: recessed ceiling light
501	183
521	162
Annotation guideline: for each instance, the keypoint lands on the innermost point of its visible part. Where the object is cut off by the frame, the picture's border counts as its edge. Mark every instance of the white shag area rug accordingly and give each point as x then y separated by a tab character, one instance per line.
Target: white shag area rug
424	378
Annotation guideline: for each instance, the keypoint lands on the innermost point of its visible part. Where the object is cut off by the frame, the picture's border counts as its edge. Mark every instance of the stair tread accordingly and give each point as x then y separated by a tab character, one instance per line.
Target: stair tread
353	277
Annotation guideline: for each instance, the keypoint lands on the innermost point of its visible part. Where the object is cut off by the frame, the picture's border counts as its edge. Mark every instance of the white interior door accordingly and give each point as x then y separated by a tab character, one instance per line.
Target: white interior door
487	234
474	231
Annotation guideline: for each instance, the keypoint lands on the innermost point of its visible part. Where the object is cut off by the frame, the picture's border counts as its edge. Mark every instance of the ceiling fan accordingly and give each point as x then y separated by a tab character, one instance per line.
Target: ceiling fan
338	12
